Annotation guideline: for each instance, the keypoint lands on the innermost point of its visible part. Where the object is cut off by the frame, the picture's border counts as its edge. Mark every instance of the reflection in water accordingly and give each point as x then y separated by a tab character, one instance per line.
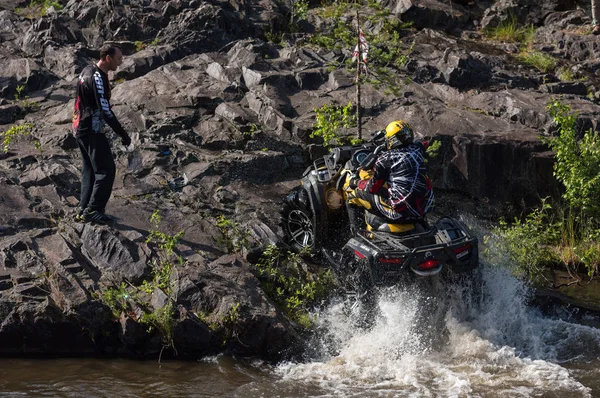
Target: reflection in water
216	377
421	343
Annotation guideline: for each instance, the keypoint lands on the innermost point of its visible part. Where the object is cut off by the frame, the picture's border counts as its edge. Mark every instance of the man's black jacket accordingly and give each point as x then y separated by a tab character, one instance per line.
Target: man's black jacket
92	106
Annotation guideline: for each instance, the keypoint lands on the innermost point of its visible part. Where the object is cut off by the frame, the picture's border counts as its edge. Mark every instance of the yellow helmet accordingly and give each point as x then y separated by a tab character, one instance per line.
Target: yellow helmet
398	133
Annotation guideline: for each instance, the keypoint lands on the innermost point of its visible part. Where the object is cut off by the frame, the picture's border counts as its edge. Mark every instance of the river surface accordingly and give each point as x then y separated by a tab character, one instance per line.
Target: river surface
419	345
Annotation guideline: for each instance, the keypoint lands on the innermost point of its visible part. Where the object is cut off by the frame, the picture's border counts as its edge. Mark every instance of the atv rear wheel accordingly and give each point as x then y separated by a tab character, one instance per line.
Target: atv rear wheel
297	221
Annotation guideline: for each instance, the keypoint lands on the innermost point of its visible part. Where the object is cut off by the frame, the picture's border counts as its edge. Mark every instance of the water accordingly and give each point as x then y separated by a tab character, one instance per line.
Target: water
425	341
498	347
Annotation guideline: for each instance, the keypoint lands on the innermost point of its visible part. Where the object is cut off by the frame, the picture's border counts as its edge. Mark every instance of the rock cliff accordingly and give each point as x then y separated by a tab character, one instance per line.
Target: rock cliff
220	118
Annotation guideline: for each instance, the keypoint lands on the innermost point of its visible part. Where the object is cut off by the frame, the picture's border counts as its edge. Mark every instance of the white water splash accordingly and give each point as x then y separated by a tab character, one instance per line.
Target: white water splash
422	345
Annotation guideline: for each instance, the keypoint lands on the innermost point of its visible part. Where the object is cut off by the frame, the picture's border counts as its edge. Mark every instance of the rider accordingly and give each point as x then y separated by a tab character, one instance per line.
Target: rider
399	189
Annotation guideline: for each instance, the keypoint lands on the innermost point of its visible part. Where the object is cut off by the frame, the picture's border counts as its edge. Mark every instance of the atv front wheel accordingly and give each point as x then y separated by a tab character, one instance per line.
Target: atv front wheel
360	293
297	221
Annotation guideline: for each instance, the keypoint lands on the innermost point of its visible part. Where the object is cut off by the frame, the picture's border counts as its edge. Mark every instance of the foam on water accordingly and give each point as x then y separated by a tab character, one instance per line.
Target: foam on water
430	345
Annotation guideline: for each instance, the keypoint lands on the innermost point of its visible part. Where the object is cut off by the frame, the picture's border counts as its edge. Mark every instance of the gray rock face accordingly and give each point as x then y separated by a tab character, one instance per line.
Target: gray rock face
220	120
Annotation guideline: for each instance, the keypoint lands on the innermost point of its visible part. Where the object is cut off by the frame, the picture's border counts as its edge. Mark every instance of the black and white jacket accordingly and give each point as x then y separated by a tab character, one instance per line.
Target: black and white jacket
409	190
92	106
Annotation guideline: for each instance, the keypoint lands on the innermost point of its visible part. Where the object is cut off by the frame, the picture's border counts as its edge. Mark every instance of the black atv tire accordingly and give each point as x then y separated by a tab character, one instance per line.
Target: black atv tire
359	291
297	221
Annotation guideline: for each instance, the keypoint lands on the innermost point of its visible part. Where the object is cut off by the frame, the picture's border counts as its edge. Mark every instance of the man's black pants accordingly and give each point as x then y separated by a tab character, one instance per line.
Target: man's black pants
97	172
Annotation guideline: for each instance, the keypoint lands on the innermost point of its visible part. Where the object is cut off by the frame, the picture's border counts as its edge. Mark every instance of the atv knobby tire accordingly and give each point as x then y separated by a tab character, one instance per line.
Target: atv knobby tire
297	221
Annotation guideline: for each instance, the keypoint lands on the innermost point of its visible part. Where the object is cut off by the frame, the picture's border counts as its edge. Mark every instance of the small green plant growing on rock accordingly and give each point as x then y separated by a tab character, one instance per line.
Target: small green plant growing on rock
565	74
293	288
233	236
18	91
228	323
37	8
24	129
250	131
162	320
162	266
543	62
509	31
28	104
134	300
139	46
299	12
433	150
330	119
118	299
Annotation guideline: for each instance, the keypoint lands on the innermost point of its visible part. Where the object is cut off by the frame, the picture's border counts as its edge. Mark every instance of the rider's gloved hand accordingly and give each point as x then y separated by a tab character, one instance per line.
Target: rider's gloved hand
353	182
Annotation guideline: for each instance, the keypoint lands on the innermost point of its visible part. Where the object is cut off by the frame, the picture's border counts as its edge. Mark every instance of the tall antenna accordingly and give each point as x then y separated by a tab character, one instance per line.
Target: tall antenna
358	67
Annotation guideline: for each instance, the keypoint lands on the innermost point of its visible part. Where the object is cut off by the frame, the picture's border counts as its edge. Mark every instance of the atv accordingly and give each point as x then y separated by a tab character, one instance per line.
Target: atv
374	252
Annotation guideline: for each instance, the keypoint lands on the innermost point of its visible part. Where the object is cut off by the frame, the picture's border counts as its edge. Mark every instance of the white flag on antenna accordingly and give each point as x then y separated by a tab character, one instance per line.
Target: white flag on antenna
364	49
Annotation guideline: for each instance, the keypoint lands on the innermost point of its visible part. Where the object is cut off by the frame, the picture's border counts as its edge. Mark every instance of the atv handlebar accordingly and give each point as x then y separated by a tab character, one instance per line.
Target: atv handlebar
378	135
369	162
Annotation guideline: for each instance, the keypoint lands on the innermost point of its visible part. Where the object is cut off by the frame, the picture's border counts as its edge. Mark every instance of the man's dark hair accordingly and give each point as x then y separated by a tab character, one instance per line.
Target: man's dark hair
108	50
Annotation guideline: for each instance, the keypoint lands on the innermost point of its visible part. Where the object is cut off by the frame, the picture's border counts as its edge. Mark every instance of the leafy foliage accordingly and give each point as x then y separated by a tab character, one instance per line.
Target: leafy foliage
386	50
509	31
433	150
234	236
18	91
527	242
543	62
163	264
299	11
162	320
330	119
565	74
118	299
577	164
290	286
566	235
15	131
134	300
37	8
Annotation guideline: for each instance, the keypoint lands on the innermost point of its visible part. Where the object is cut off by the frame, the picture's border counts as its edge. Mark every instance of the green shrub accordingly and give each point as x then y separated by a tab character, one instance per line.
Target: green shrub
386	53
527	243
234	237
569	234
330	119
509	31
162	320
134	300
543	62
291	287
37	8
15	131
577	164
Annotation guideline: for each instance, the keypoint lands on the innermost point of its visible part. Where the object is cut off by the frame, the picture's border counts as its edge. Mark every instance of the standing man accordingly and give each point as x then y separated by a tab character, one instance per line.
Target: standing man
92	109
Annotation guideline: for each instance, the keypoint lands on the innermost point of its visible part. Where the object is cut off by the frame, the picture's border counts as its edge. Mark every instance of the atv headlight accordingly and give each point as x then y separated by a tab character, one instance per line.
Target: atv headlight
333	199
